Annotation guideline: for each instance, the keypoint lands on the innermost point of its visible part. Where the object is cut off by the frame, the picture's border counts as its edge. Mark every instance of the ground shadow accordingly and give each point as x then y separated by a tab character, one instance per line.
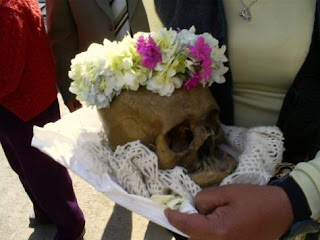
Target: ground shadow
119	222
46	232
157	232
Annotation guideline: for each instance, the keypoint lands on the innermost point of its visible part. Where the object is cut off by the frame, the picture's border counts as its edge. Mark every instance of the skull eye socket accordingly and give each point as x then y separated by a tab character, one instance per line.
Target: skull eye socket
212	122
180	137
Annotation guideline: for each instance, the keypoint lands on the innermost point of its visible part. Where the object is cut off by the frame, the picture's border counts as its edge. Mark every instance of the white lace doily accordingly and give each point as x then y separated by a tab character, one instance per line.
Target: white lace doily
260	150
130	175
257	150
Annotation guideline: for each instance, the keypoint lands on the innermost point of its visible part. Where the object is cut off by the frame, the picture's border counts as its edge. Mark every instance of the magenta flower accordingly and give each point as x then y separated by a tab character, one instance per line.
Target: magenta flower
206	69
193	81
149	51
202	53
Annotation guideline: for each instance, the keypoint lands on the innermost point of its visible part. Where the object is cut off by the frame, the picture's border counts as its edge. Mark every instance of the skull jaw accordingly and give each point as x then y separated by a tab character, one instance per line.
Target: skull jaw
214	170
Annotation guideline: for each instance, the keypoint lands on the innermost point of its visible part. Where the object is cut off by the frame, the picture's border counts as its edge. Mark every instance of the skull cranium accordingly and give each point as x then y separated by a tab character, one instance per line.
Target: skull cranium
183	129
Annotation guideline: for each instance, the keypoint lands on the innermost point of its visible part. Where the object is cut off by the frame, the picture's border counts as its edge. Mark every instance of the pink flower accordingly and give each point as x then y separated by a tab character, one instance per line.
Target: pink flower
202	53
150	52
193	81
206	69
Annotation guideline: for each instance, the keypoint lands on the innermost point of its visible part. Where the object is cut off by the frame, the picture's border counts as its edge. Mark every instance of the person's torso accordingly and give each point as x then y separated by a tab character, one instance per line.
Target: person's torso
96	20
36	88
265	54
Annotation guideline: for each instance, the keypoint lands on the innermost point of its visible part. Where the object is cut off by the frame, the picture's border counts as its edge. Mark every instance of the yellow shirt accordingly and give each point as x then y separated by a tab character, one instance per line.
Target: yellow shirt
154	21
307	175
284	29
262	75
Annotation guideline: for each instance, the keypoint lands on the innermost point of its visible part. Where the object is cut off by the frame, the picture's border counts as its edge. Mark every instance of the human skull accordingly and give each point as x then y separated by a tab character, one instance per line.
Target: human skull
183	129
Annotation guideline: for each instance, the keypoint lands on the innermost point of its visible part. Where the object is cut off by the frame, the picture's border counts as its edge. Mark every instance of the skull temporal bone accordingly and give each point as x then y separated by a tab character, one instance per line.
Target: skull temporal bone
183	129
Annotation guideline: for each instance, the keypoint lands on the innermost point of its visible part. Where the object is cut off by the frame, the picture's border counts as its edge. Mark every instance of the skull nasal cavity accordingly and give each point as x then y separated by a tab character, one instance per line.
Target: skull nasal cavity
180	137
204	151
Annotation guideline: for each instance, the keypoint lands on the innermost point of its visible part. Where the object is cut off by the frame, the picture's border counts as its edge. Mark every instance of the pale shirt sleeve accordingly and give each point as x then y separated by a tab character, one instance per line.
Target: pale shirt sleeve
307	176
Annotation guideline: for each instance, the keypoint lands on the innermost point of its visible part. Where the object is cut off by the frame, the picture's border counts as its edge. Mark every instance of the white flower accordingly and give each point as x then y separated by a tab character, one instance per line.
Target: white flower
127	63
130	82
90	72
187	36
100	73
164	84
210	40
218	54
218	74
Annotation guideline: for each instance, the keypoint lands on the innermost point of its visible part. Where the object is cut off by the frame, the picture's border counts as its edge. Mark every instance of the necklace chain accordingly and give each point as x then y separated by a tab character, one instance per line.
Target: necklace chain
245	12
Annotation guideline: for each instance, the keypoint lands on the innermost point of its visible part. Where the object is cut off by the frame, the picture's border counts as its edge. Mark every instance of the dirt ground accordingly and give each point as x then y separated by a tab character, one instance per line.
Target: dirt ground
104	219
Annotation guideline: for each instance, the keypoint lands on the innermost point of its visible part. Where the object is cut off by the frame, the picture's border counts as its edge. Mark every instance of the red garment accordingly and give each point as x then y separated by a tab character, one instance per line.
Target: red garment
27	72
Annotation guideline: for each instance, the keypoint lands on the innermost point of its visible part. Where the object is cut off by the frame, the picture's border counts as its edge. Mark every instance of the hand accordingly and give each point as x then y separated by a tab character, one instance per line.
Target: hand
73	105
236	212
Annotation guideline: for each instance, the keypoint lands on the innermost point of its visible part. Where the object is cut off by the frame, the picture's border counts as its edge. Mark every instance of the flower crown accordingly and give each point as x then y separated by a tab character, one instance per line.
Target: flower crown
161	61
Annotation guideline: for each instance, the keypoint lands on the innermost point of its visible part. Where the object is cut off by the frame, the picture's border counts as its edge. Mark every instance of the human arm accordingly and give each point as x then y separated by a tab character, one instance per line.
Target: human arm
302	188
236	212
63	38
12	49
307	176
295	198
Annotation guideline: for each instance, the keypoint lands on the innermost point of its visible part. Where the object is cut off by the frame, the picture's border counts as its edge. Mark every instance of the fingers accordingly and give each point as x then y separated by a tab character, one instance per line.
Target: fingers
214	205
195	225
238	212
209	199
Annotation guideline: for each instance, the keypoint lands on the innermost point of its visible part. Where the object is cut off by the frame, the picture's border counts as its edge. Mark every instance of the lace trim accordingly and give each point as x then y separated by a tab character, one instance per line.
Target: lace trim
260	150
135	167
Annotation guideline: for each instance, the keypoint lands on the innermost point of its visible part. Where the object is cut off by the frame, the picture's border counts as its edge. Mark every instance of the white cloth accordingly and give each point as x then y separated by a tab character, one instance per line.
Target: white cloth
77	142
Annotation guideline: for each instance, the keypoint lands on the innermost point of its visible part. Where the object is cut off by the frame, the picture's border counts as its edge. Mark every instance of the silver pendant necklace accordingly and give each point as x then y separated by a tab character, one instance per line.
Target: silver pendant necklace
245	12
